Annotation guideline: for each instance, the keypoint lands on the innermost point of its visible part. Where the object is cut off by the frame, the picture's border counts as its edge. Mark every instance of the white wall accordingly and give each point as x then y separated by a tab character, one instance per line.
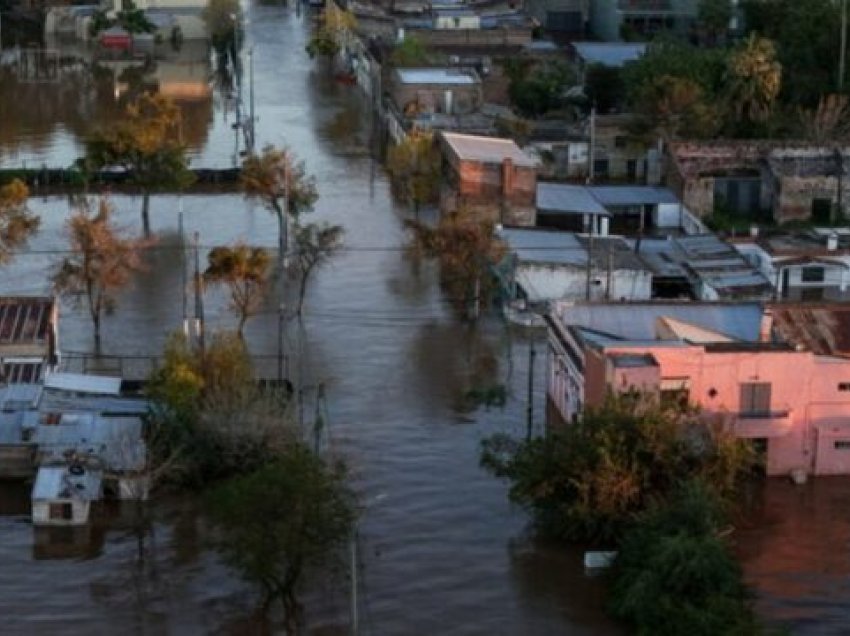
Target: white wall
41	513
552	282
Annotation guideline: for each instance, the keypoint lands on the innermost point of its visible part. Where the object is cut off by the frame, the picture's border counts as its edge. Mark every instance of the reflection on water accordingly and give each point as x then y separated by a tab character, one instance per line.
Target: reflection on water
44	117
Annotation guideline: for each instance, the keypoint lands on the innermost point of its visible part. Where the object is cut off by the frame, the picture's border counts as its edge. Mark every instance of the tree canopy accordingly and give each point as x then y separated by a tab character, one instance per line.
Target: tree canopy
17	224
244	271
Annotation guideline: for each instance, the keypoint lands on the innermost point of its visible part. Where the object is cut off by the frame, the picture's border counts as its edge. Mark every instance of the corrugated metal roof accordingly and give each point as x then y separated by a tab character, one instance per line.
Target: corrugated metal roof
57	482
451	76
823	329
636	321
609	53
487	149
115	441
632	195
568	199
20	396
81	383
540	246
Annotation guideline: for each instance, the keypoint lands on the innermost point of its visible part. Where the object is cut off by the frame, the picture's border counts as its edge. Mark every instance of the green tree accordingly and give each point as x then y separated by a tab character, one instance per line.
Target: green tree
245	272
465	246
604	87
415	168
222	19
17	224
409	52
588	480
753	80
101	262
277	179
147	144
675	107
315	244
289	517
537	90
674	573
713	16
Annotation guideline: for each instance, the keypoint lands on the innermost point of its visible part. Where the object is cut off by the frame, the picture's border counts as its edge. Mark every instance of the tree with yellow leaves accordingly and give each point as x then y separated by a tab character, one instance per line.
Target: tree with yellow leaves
414	166
17	224
334	28
244	271
753	79
148	144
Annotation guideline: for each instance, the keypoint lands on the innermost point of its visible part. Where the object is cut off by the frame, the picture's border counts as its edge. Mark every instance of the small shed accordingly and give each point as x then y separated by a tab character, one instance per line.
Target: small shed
62	495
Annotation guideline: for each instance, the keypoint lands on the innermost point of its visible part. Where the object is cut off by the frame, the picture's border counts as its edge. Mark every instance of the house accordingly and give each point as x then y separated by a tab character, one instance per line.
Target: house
28	338
791	402
701	266
63	495
613	20
543	265
489	176
811	265
786	180
563	17
456	27
441	90
627	210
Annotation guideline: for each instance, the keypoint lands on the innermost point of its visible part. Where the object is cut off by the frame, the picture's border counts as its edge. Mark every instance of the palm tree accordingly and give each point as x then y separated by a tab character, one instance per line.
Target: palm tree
753	79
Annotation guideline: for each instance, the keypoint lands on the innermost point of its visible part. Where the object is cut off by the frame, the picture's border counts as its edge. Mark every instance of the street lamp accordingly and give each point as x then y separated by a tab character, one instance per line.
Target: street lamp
281	309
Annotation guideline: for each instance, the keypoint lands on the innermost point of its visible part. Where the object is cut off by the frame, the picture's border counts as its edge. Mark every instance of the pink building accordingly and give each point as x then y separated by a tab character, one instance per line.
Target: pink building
791	400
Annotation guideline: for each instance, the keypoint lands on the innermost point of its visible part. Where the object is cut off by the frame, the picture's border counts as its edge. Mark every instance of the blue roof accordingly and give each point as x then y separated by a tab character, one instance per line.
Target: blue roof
614	54
567	199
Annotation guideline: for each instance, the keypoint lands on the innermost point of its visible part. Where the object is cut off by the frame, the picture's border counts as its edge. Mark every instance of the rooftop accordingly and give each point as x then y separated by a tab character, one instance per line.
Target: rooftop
566	248
25	320
823	329
637	320
66	482
615	54
578	199
81	383
493	150
453	76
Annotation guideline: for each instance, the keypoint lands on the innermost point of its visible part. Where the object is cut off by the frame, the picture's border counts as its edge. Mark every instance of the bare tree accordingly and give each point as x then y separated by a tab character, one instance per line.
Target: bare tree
315	244
101	263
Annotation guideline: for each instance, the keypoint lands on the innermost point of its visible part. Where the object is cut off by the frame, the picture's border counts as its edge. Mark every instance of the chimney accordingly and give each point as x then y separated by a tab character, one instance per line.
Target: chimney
507	177
766	326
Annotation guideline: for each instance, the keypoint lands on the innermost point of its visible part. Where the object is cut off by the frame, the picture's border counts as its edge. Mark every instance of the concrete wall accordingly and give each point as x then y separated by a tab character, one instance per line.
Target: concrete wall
41	513
431	98
570	282
514	37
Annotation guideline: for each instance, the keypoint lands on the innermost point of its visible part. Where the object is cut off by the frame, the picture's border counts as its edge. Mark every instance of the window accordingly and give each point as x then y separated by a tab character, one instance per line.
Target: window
61	511
841	444
821	210
755	399
620	141
812	274
631	169
600	167
844	386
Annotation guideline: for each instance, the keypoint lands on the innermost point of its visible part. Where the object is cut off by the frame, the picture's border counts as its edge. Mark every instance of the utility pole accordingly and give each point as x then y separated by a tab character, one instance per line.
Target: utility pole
589	268
183	281
199	299
251	95
280	311
842	53
591	151
283	237
355	619
529	409
608	277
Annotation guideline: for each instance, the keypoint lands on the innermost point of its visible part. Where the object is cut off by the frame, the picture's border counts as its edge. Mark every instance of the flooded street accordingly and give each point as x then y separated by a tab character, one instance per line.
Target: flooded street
442	551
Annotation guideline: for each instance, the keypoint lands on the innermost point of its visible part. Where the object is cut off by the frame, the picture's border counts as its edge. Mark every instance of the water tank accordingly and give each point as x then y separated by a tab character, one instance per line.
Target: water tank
832	242
448	102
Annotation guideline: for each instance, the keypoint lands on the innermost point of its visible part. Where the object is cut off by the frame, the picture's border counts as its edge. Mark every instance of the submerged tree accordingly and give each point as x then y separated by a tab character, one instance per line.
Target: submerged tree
17	224
222	19
315	244
414	166
147	144
589	479
282	521
101	262
466	247
284	187
334	27
245	272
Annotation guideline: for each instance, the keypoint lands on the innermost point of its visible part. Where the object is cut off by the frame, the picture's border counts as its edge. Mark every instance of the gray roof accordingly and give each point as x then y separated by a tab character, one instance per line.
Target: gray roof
451	76
541	246
632	195
636	321
567	199
57	482
117	442
609	53
487	149
82	383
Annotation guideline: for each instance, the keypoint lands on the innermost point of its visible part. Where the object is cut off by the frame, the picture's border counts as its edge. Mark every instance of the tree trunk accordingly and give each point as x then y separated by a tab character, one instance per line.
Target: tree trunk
95	317
146	219
283	236
241	326
302	291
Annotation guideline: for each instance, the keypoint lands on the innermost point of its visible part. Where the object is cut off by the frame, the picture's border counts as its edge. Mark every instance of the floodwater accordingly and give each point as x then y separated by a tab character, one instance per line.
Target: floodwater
441	548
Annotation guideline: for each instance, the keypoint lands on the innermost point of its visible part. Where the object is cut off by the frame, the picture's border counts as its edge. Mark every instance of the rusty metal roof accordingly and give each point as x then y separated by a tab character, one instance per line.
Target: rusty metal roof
25	319
823	329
